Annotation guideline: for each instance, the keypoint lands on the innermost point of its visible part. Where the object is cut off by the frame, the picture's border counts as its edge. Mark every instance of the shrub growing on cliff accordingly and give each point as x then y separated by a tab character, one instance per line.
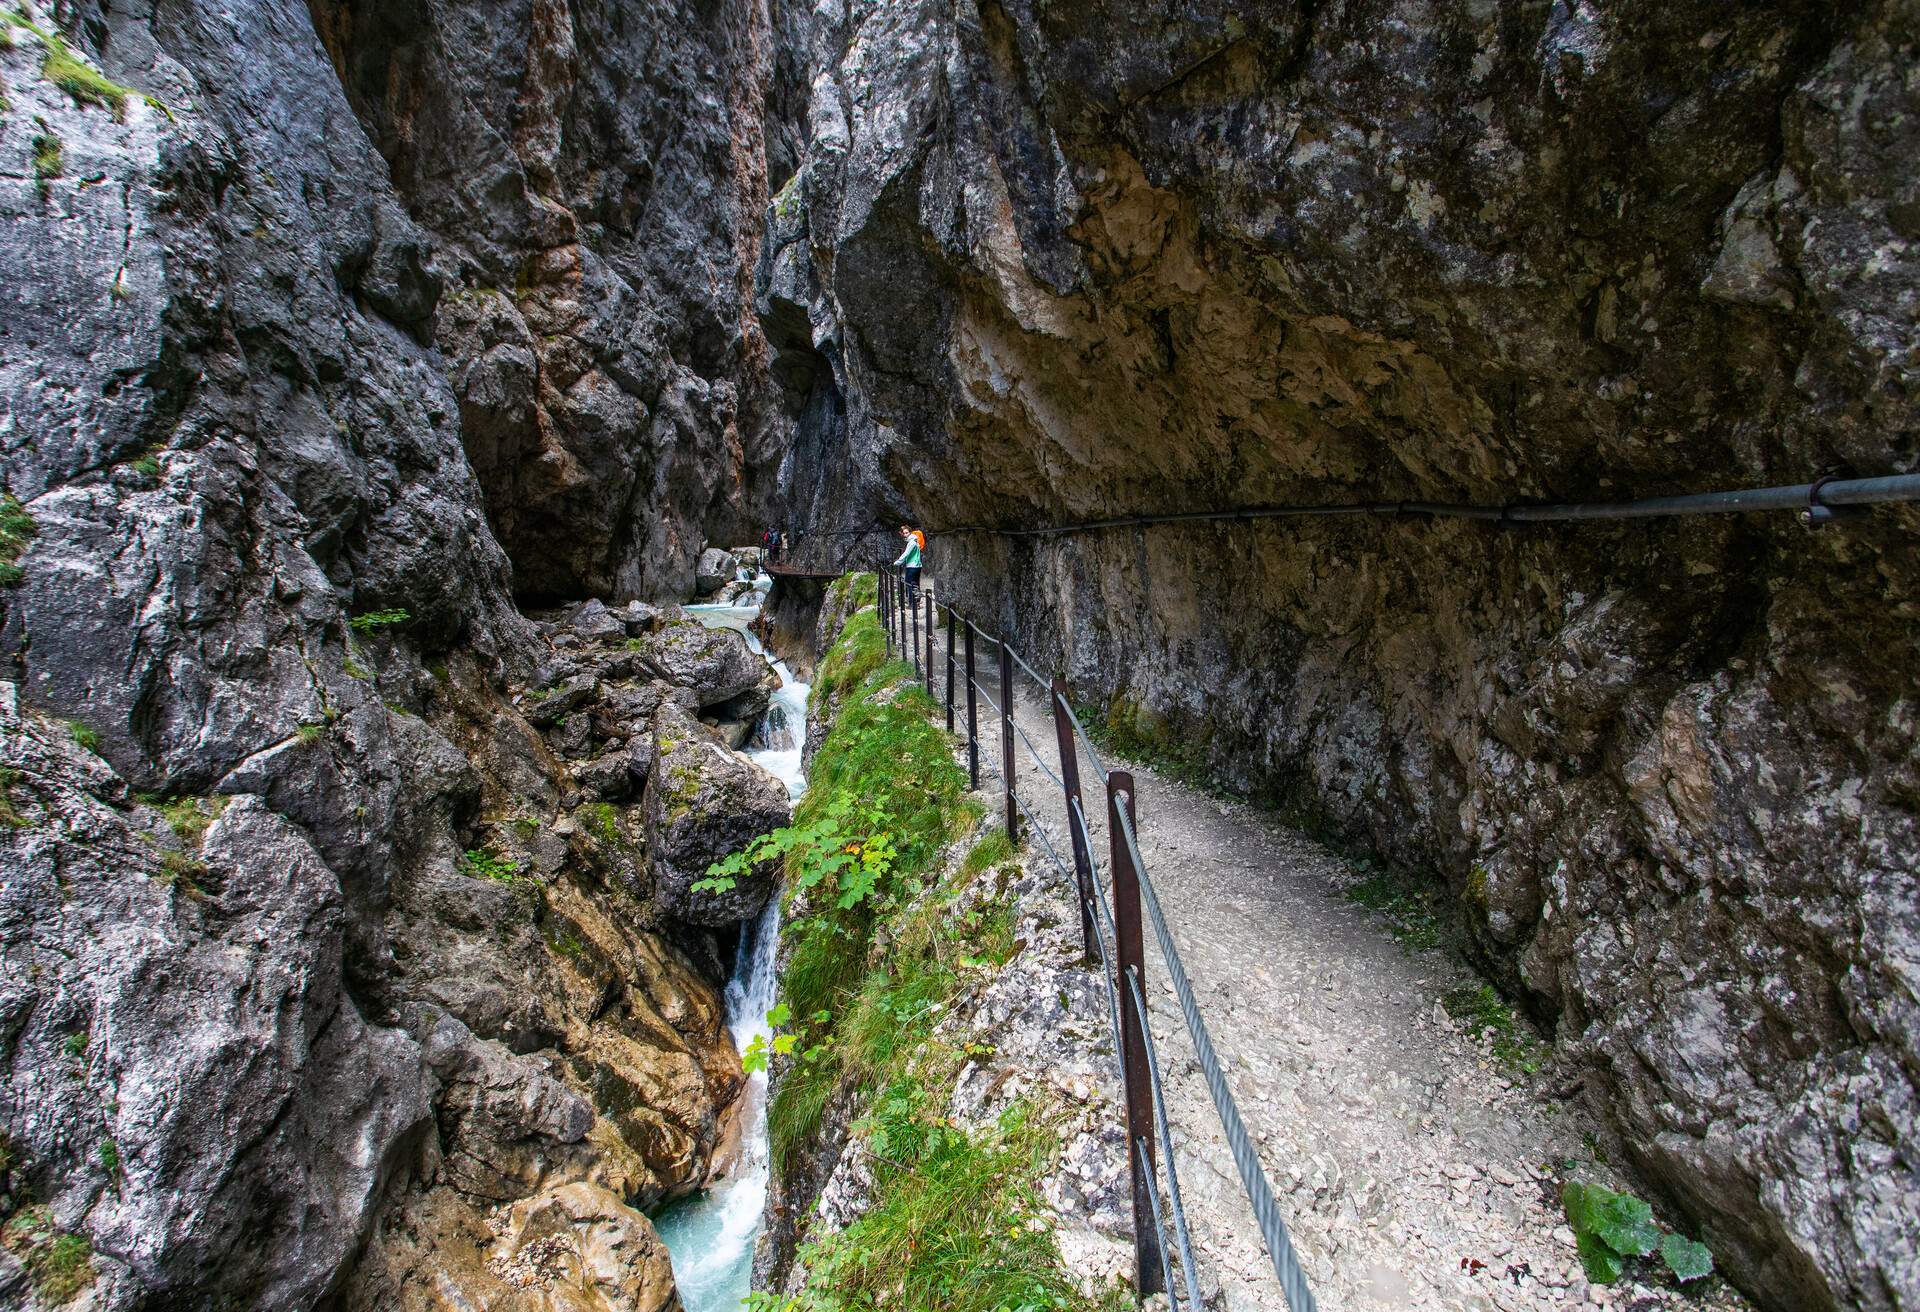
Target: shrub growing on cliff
379	619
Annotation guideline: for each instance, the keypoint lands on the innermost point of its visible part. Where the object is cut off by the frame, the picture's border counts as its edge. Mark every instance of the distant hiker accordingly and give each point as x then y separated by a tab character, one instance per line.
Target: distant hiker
909	561
779	543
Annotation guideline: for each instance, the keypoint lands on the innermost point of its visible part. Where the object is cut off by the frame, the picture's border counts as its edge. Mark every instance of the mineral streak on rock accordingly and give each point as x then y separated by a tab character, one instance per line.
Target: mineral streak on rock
1053	262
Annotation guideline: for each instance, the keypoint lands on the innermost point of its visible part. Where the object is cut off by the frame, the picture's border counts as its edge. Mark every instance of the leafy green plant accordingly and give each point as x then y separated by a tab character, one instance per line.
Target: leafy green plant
17	529
483	863
378	619
353	669
843	841
309	734
86	738
109	1154
1611	1228
76	1043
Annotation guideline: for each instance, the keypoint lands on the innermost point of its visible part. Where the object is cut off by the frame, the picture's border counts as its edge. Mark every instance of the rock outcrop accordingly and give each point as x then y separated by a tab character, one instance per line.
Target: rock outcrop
704	802
328	965
1053	263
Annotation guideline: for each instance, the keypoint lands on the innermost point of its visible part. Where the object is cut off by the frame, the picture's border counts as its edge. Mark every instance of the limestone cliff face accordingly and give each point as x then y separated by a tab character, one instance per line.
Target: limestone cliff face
1052	262
330	963
594	176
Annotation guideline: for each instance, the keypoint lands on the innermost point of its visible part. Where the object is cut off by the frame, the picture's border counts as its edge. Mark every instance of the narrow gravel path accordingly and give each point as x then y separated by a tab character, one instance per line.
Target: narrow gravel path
1408	1161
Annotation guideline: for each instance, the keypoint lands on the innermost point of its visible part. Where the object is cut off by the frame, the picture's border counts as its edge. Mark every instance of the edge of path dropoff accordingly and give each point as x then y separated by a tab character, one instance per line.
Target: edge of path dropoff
1415	1169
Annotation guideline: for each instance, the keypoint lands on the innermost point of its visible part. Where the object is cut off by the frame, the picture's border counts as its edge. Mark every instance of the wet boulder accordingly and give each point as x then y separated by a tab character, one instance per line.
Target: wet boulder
716	664
716	569
705	801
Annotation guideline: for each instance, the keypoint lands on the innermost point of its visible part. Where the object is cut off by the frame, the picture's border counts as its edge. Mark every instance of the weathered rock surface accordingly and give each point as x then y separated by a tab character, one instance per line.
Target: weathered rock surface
704	802
716	663
717	569
592	179
287	354
1052	263
186	1010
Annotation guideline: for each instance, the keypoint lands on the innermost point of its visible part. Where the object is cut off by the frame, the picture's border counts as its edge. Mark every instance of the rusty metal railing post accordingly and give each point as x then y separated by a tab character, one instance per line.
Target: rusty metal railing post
973	712
949	669
1150	1275
1070	785
1006	739
912	631
926	642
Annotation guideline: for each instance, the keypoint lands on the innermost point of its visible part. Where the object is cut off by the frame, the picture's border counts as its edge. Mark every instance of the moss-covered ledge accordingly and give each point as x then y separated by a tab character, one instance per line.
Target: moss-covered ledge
941	1135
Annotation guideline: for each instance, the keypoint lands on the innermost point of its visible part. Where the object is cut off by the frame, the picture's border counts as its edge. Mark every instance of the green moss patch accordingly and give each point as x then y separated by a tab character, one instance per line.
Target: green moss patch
955	1221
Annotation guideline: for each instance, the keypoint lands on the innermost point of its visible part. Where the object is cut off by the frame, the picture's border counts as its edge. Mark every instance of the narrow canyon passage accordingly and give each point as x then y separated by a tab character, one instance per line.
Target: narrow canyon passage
408	857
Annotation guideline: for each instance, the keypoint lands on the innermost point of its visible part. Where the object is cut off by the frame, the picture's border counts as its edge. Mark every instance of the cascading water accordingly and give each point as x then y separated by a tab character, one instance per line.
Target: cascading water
711	1236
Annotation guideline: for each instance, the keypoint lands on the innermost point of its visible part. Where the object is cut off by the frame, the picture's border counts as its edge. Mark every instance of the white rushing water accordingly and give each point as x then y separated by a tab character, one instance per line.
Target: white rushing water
711	1235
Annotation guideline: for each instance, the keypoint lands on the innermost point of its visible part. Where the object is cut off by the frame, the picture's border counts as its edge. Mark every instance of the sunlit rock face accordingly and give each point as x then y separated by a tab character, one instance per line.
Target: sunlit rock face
1048	263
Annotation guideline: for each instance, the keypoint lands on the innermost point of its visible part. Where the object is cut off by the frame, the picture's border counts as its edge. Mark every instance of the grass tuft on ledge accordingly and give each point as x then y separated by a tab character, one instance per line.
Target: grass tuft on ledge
955	1222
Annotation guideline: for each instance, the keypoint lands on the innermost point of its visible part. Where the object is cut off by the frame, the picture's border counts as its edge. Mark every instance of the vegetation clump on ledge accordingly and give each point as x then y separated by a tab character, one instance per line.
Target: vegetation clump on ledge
877	948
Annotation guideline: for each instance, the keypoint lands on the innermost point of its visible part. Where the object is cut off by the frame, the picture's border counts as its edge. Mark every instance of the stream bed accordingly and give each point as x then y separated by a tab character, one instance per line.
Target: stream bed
711	1235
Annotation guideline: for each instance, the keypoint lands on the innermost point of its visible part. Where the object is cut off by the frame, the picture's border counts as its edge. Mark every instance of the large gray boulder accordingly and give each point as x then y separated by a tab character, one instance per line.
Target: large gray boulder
705	801
187	1009
716	569
716	664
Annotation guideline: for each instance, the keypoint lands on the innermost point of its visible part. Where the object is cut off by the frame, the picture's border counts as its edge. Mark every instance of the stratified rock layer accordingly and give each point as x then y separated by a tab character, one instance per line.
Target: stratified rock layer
1051	263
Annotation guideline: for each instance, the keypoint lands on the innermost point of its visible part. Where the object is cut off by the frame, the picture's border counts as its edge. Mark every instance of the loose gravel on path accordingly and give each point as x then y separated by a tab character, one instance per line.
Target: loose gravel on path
1414	1168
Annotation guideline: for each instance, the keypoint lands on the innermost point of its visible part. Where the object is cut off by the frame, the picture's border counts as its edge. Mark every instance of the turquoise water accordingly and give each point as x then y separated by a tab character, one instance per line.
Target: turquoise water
711	1235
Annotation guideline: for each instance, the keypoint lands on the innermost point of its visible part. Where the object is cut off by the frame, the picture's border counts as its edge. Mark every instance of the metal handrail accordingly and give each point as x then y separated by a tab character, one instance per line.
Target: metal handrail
1104	944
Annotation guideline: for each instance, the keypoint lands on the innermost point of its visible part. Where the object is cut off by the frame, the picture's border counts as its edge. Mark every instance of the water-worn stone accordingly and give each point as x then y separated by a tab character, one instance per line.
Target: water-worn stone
716	663
716	569
703	802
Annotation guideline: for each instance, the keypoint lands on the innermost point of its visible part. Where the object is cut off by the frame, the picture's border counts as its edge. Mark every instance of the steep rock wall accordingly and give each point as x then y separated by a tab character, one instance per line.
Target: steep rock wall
1047	263
330	967
594	174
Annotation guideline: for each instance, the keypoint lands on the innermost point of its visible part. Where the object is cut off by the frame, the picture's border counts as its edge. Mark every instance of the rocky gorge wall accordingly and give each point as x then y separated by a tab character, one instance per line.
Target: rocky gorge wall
347	950
1051	263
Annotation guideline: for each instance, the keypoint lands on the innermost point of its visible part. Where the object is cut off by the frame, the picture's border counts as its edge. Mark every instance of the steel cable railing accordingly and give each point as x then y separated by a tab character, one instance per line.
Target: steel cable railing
1286	1264
1148	1116
1188	1269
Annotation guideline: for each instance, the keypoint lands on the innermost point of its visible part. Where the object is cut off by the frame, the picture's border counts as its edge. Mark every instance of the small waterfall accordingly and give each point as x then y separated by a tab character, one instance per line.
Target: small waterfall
711	1235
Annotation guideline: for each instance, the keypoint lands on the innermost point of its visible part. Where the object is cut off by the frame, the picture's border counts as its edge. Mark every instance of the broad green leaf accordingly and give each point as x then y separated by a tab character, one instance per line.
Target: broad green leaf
783	1043
779	1014
1621	1221
755	1057
1687	1259
1602	1263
